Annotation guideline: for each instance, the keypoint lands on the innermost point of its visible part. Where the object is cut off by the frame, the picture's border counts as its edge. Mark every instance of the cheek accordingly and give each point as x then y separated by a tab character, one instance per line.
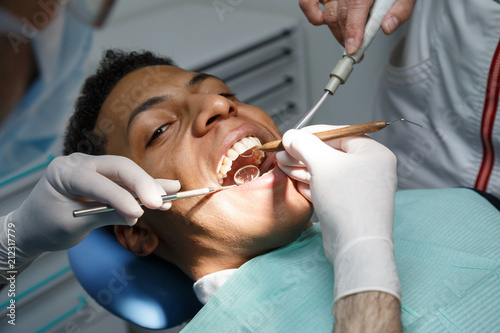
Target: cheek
167	164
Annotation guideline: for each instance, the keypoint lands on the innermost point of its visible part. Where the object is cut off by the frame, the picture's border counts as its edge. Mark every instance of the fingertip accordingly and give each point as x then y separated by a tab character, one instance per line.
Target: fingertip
163	187
288	137
166	206
305	190
169	185
156	201
350	45
131	221
151	197
312	12
390	25
281	156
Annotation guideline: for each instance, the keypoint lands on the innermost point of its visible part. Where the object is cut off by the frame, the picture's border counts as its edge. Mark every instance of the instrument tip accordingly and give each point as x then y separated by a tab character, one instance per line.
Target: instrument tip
405	120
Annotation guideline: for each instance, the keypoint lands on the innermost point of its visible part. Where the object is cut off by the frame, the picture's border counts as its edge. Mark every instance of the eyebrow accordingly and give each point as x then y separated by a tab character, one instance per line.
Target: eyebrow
199	78
145	106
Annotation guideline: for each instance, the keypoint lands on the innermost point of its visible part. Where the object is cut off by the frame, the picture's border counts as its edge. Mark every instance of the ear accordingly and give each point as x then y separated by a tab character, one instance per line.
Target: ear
139	239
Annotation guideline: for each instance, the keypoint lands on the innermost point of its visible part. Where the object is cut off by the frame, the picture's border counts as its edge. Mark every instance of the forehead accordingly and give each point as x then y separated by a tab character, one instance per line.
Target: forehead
139	83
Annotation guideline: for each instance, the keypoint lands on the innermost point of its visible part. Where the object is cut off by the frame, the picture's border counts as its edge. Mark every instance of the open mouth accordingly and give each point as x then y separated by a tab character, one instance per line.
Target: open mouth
233	160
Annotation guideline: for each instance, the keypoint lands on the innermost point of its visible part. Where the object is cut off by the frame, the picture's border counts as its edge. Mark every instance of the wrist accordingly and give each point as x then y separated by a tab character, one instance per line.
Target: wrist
367	265
12	260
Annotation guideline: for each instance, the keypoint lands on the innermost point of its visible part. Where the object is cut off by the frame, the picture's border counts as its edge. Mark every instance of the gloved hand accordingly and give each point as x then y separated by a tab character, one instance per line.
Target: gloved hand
44	221
352	183
347	19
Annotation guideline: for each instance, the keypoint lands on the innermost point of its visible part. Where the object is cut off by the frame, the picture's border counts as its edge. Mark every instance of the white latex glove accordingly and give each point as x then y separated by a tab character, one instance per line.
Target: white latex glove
352	183
44	221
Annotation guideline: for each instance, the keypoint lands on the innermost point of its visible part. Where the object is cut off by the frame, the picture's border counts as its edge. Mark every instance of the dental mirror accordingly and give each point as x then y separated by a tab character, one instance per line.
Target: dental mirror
246	174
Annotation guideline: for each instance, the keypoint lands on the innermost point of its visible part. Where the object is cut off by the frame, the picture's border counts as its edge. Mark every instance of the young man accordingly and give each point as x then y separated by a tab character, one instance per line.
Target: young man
187	126
181	125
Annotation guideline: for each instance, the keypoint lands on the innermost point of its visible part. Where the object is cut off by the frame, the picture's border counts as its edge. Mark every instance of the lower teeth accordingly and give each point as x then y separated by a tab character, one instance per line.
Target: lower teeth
268	172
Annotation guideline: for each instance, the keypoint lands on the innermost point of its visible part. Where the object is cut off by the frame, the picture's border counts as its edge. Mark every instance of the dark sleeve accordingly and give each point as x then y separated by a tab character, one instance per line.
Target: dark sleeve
490	197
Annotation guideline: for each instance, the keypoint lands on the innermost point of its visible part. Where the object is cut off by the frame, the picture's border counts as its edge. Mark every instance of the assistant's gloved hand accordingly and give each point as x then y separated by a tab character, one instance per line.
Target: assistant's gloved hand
44	221
347	19
352	182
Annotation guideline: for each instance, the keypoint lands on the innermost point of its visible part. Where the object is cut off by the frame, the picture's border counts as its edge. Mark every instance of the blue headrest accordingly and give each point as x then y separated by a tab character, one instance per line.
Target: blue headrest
146	291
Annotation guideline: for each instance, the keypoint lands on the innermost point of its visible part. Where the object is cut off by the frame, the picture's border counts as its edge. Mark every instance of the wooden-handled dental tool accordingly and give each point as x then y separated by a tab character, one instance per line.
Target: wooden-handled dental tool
341	132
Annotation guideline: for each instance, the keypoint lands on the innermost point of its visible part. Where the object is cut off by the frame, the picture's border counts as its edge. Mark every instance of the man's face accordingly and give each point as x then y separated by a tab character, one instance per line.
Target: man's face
180	125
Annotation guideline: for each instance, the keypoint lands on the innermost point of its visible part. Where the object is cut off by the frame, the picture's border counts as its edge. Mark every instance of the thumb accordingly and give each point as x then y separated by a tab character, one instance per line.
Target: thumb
305	147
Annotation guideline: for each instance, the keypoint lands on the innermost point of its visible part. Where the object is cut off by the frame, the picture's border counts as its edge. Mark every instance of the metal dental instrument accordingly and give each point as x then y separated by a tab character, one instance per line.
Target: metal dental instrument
341	132
345	65
169	197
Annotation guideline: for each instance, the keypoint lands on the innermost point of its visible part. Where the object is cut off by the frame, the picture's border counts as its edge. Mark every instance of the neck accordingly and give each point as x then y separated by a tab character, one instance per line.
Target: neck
207	266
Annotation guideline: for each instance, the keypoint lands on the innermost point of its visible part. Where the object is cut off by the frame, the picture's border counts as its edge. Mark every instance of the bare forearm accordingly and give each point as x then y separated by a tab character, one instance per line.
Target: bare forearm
370	311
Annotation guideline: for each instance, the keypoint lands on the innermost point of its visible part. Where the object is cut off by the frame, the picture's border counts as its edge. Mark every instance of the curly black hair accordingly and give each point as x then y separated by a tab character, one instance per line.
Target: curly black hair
81	135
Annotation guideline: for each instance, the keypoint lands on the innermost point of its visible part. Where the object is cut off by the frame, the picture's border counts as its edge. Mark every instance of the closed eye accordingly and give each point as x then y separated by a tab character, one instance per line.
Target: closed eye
157	134
227	95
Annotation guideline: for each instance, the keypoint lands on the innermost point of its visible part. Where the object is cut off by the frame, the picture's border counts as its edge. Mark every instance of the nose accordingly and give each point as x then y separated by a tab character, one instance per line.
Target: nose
211	109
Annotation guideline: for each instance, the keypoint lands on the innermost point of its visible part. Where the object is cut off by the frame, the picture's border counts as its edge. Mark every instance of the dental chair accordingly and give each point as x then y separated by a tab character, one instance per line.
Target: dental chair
145	291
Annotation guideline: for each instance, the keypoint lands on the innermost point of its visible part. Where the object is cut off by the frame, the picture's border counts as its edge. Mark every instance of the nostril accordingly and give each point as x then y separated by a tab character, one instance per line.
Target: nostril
211	120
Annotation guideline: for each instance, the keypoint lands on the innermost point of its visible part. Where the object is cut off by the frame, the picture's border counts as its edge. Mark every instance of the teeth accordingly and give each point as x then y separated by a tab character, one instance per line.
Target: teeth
268	172
247	142
234	152
240	147
256	141
224	169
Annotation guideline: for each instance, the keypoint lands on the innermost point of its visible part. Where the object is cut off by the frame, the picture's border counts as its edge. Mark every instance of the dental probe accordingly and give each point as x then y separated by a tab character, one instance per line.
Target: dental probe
344	67
341	132
169	197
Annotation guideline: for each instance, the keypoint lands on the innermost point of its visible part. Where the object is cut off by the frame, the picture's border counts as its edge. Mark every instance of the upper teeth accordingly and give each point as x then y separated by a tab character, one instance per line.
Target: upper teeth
234	152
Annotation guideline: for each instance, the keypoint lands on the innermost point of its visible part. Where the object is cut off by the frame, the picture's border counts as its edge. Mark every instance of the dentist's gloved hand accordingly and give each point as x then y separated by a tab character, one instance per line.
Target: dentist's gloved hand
44	221
352	183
